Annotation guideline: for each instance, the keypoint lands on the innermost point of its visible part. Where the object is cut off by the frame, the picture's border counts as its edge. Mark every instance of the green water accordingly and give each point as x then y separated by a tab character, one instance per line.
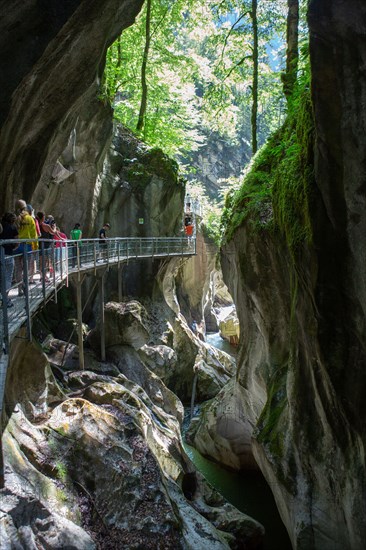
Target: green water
249	493
215	340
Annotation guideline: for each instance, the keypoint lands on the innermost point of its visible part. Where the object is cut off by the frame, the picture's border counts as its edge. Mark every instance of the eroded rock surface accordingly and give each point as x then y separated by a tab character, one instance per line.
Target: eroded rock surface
302	313
124	324
100	464
223	431
53	56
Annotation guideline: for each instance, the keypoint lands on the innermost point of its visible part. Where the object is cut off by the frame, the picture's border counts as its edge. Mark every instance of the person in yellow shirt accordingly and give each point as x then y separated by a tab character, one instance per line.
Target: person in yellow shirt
27	230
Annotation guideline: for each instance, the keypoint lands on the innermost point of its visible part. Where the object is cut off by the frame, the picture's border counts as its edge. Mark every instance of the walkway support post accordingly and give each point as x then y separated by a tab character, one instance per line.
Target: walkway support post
194	386
80	323
43	271
120	283
101	312
26	291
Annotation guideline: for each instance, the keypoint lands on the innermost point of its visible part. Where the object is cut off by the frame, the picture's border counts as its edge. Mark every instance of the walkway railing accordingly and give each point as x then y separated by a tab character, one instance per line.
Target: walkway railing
30	277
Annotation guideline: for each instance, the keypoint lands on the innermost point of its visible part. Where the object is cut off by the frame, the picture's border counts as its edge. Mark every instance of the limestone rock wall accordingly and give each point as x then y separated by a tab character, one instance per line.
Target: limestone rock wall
193	279
302	353
73	195
139	183
52	54
218	159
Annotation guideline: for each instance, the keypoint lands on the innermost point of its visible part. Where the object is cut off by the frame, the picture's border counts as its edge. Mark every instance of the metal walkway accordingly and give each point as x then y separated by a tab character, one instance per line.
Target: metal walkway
37	275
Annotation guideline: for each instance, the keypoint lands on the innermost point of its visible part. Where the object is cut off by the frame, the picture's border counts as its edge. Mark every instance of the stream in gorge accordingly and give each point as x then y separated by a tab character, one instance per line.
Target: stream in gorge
247	491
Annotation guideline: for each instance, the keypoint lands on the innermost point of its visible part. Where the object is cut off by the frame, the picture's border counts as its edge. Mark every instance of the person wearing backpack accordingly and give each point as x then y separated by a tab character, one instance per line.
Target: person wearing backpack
8	230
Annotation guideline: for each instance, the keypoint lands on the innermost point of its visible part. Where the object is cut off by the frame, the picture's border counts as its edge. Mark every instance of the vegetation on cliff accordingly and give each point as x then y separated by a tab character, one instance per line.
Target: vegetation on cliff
276	189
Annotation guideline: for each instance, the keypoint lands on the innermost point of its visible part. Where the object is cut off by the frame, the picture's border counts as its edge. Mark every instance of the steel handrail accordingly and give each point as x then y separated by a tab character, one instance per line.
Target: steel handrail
54	261
38	274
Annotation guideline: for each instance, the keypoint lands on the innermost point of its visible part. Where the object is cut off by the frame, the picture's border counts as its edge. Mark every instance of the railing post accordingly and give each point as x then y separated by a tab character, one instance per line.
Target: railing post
43	271
95	257
26	292
53	265
102	320
5	342
61	259
78	255
80	323
120	283
67	263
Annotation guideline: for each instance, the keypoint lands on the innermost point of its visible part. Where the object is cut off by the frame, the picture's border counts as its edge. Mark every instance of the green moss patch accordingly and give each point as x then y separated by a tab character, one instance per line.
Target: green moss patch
271	431
157	162
277	185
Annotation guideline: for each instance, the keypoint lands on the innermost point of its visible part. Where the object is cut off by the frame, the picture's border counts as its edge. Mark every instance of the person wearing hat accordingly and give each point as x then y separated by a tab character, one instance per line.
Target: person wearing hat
103	245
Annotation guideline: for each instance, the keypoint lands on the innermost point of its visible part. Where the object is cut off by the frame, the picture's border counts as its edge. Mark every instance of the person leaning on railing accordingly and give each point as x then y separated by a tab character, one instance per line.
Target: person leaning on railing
8	231
26	230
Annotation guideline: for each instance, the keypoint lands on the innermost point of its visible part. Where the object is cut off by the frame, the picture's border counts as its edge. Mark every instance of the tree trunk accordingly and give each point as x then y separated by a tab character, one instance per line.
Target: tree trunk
292	53
117	67
255	77
142	113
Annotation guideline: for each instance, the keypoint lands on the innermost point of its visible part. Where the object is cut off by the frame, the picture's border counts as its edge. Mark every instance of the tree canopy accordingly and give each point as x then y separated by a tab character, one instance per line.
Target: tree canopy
199	61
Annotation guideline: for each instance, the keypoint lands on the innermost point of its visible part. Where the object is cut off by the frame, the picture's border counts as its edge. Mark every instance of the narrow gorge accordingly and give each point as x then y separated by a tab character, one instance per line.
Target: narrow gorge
98	457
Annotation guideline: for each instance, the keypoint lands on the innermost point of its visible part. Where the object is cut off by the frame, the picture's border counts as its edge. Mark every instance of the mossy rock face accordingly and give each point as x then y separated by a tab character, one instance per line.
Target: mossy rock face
276	189
271	431
160	164
151	163
138	176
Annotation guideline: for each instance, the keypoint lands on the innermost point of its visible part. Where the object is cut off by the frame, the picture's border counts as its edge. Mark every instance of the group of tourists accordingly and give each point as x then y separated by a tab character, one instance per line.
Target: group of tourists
23	223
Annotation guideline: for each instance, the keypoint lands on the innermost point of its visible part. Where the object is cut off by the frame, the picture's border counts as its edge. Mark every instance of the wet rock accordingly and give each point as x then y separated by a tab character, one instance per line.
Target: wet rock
128	363
34	386
26	523
230	327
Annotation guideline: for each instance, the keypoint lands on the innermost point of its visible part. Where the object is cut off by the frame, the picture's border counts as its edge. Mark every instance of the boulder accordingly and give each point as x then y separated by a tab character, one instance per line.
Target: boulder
229	326
125	324
223	431
160	359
